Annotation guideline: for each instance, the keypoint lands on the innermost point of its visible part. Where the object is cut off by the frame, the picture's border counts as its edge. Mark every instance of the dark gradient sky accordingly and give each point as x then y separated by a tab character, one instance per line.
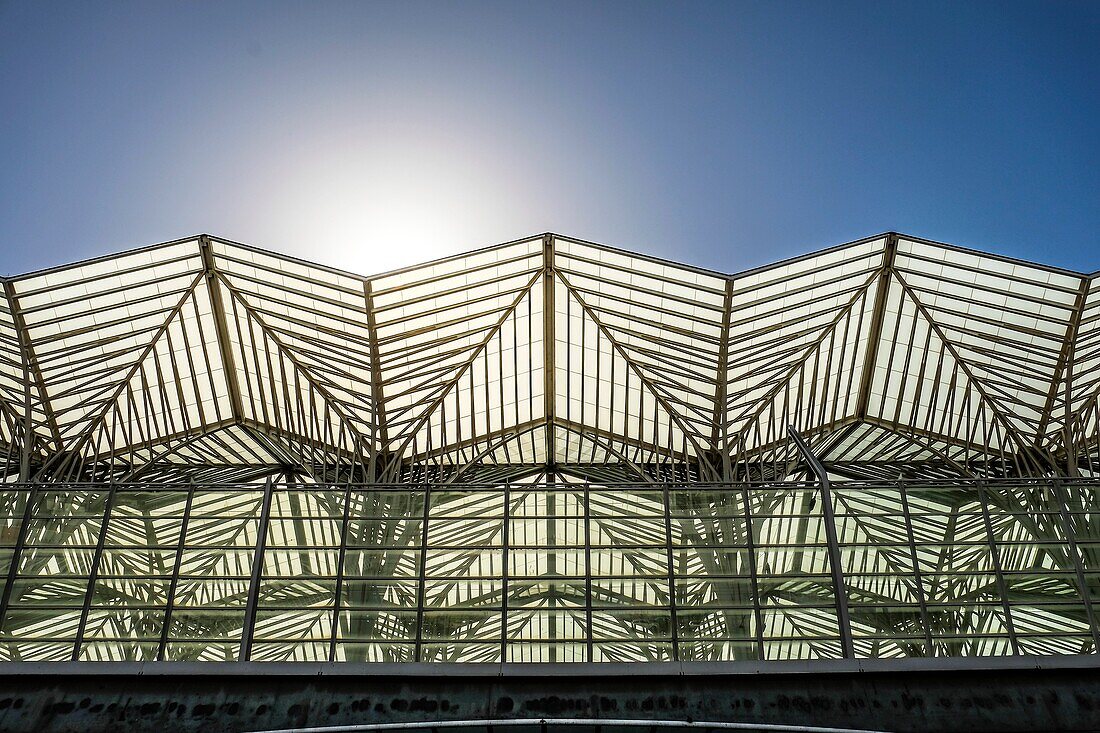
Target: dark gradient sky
373	135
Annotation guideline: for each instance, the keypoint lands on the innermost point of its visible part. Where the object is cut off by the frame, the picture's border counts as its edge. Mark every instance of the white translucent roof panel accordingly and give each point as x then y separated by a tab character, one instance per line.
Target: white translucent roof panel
301	347
105	331
14	382
546	349
918	384
646	332
176	391
455	340
798	332
496	393
1075	395
1004	322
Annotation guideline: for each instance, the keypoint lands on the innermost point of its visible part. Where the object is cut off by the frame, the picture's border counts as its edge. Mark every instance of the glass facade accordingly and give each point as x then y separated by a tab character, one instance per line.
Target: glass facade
547	572
549	451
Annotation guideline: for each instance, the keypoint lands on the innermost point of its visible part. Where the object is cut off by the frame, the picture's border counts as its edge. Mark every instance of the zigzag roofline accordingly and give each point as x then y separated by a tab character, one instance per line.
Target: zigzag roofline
609	248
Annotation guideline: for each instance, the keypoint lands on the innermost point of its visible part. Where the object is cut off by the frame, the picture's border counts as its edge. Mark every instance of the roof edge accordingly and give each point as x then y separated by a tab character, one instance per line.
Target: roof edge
16	277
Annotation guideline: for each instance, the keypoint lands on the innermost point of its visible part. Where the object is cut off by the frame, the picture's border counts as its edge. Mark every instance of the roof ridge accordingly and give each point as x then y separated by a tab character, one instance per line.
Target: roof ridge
534	237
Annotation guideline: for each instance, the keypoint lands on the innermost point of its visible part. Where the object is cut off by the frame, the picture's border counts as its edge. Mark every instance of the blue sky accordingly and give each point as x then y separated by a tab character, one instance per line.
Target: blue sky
373	135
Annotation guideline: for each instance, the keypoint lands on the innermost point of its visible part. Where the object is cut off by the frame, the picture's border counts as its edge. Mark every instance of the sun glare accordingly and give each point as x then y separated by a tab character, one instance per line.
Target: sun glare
378	202
384	236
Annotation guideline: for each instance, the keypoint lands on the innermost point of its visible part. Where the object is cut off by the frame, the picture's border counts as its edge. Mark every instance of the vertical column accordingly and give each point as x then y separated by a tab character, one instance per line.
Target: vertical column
93	572
754	577
549	339
719	437
917	575
221	326
1059	492
379	431
669	558
341	556
249	631
422	580
551	565
17	554
878	313
588	572
505	539
173	584
995	553
28	422
831	538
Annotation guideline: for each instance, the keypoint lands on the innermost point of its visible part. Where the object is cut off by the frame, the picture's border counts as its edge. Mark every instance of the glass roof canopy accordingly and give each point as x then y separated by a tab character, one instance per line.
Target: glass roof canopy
207	357
548	450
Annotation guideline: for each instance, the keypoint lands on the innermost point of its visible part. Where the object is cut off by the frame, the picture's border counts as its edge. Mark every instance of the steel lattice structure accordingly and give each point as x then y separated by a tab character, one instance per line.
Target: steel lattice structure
549	450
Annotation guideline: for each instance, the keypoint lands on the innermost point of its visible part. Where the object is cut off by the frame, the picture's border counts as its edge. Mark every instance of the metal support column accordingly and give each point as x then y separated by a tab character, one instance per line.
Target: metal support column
878	313
831	538
674	631
221	326
998	568
754	573
17	555
588	572
549	342
421	590
257	569
93	572
170	601
341	559
922	599
504	570
1058	489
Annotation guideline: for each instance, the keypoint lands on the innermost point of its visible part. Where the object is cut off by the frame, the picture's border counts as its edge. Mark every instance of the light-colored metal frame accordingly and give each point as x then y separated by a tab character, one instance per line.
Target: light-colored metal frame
549	450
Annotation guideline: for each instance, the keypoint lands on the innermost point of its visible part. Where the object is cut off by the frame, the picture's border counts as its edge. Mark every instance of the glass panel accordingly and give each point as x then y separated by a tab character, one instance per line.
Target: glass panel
555	572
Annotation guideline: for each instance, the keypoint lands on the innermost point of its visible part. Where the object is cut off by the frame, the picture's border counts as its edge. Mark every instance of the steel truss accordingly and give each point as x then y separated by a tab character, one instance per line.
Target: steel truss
548	450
